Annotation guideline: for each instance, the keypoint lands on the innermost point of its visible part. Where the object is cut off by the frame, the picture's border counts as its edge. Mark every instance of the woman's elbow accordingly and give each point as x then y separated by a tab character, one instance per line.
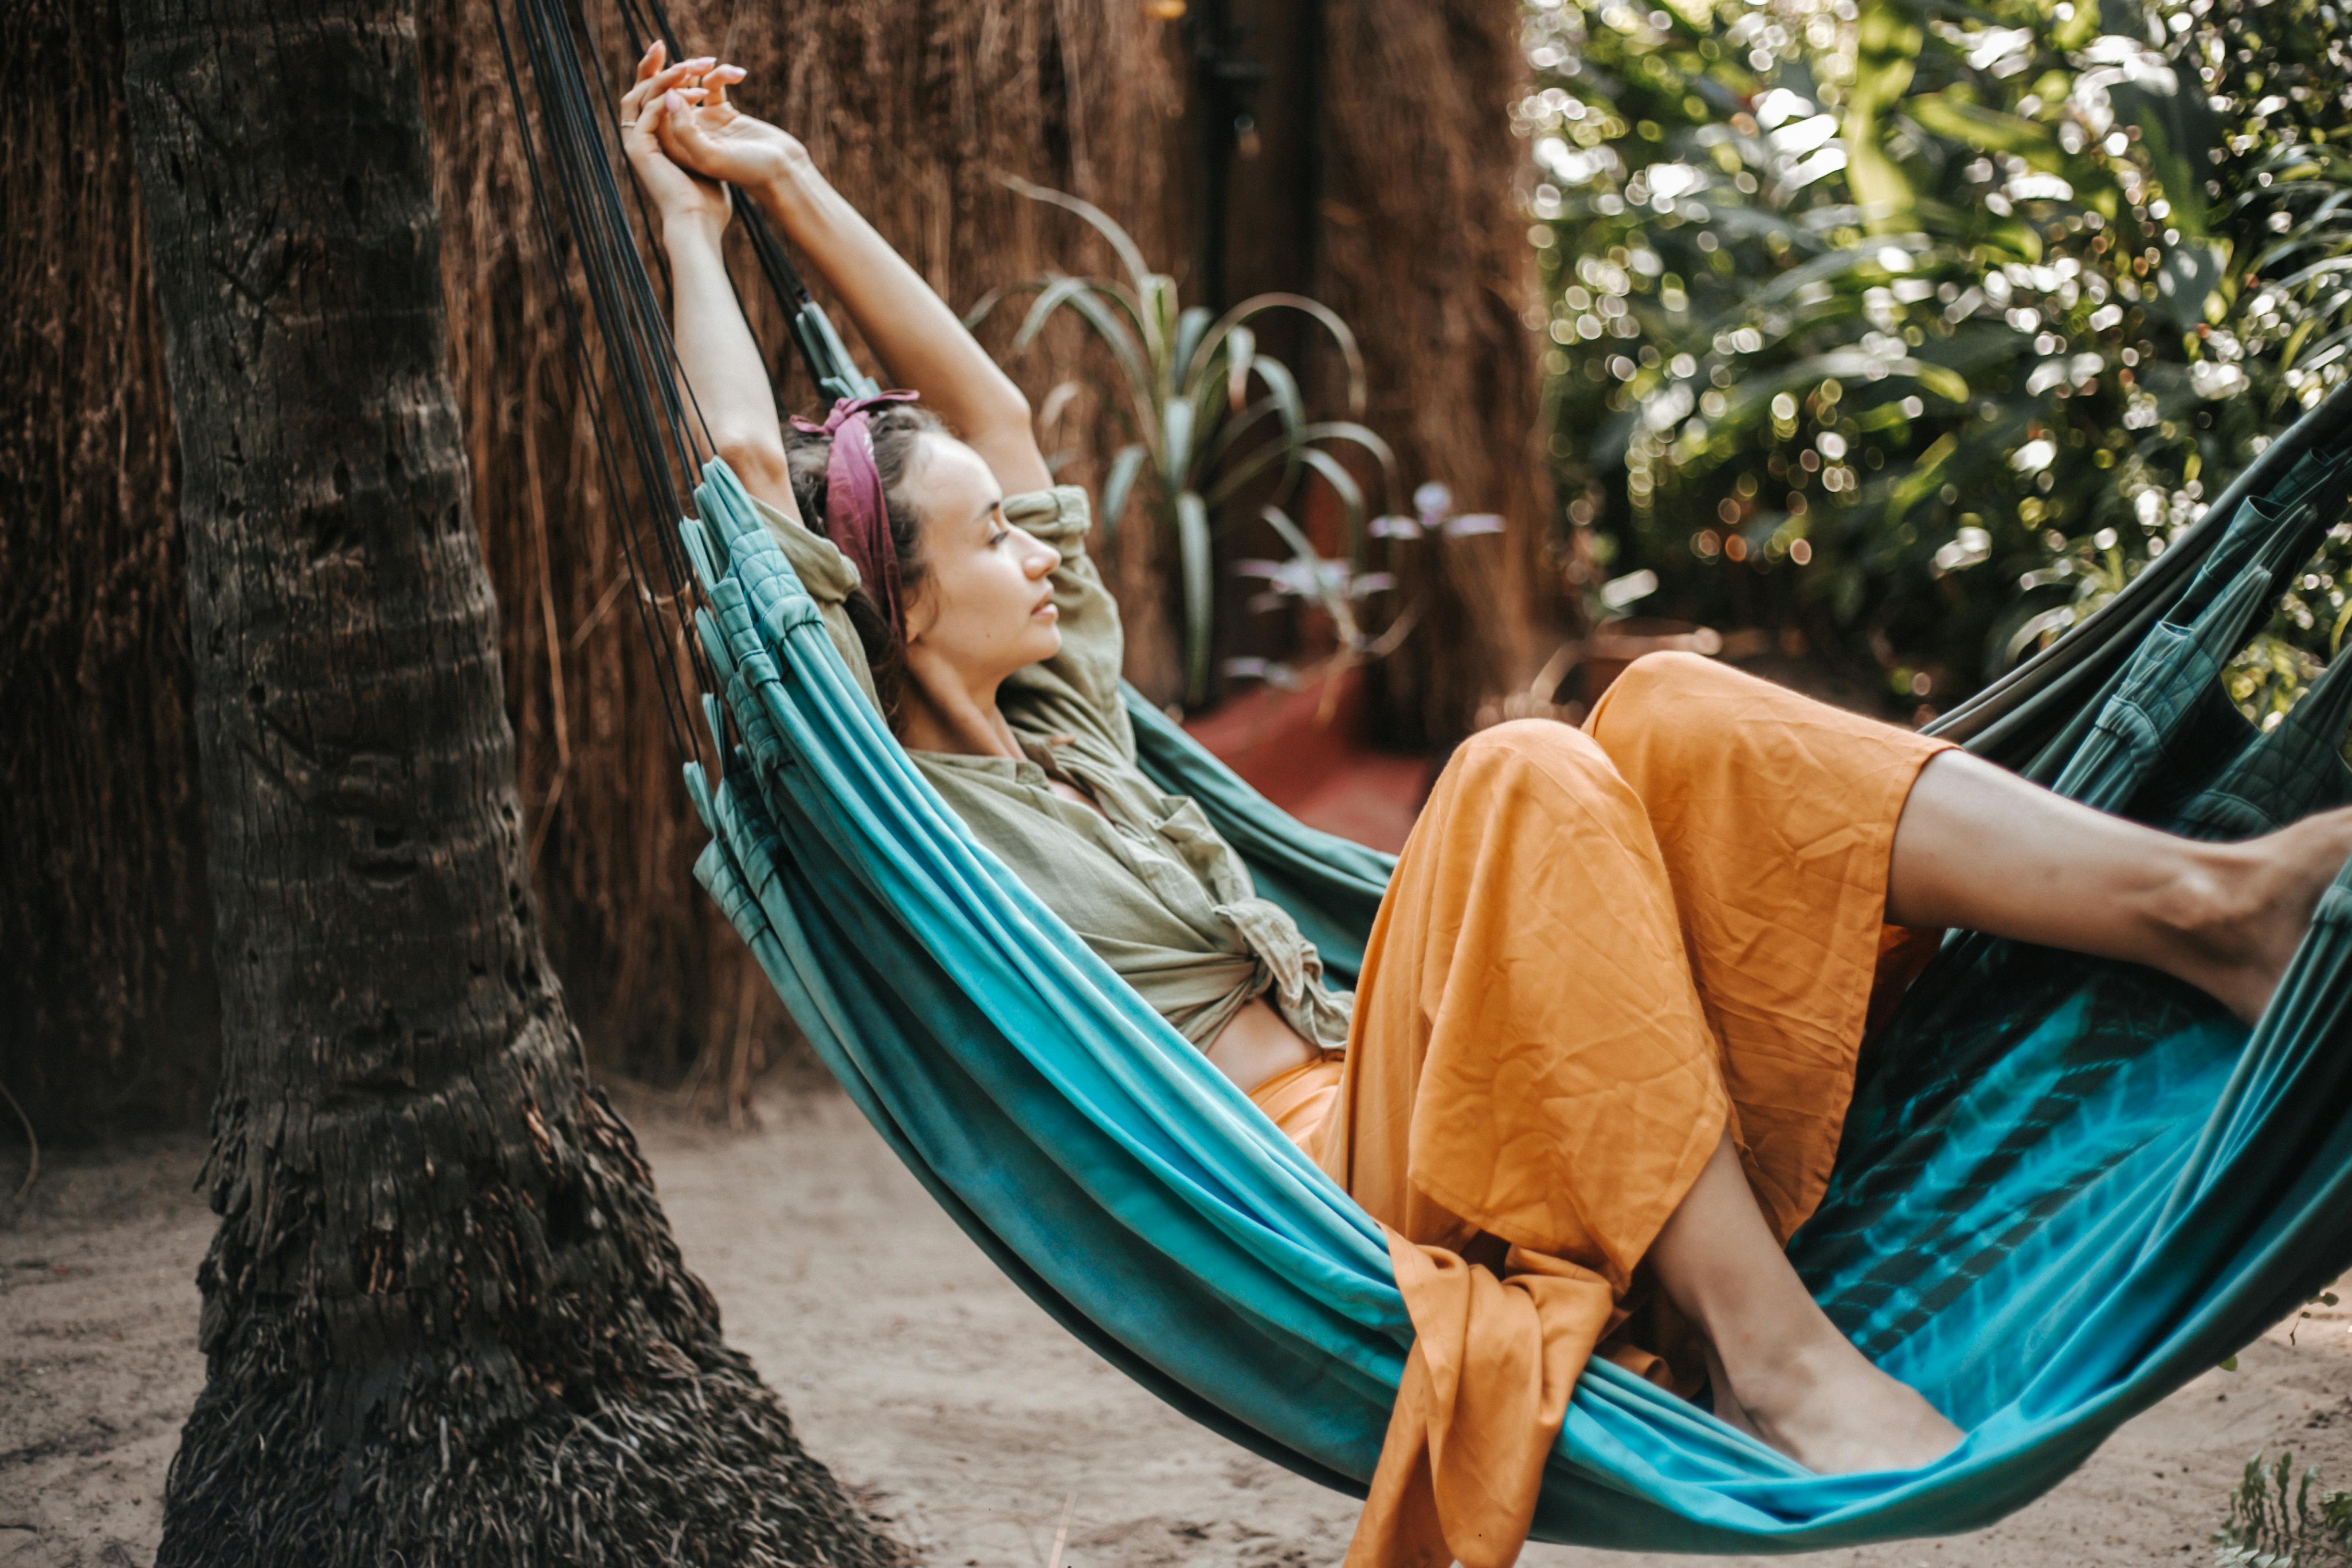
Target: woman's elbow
1003	407
999	426
758	461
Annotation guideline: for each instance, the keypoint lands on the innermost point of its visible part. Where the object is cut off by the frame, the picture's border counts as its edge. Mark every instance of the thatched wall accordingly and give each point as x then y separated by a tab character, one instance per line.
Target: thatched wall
910	108
1421	247
106	1006
910	104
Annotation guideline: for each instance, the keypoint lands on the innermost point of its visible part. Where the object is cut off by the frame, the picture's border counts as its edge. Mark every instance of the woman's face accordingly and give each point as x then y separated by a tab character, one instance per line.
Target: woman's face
985	608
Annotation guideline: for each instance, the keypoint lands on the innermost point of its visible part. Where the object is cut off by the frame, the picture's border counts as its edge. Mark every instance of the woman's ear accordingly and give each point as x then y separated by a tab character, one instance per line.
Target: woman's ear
921	613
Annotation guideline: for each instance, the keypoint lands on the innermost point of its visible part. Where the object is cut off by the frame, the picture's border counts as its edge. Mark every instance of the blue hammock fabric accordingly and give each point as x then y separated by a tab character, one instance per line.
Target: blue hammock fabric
2065	1187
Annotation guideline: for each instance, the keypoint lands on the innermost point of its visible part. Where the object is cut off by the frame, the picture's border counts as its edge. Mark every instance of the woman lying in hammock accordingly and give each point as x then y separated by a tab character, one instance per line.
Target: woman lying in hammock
1607	1021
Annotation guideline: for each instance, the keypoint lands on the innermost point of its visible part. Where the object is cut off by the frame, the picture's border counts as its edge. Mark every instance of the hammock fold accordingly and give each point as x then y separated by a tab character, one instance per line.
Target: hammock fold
2066	1187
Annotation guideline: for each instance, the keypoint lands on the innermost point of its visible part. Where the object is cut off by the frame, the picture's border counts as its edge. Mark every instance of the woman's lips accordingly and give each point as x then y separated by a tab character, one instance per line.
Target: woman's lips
1048	609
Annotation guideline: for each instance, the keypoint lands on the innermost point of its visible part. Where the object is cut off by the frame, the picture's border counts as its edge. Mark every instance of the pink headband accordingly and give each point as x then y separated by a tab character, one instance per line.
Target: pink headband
856	519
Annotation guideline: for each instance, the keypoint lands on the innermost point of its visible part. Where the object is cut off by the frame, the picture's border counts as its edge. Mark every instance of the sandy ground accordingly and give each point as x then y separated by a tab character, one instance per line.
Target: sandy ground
918	1373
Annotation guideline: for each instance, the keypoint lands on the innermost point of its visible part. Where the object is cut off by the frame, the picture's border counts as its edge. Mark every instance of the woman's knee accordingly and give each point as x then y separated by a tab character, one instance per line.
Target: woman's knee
1649	688
1506	754
1671	712
1532	737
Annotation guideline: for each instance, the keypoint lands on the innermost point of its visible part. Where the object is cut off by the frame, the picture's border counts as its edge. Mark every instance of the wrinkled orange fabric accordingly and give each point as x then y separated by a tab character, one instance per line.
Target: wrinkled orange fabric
1602	949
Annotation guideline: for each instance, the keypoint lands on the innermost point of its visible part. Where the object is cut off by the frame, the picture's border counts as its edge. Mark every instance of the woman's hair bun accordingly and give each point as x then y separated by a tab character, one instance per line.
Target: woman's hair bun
897	430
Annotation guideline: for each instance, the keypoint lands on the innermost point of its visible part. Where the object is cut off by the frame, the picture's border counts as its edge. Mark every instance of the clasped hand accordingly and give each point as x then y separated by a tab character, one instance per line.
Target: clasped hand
684	138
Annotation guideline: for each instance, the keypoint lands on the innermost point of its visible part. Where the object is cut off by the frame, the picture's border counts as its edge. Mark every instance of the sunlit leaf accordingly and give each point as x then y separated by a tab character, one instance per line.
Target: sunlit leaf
1341	333
1886	49
1351	495
1193	558
1333	600
1241	347
1118	483
1130	258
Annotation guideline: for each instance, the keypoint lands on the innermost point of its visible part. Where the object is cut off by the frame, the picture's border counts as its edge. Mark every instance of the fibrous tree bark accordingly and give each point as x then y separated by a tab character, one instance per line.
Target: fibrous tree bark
1423	247
444	1319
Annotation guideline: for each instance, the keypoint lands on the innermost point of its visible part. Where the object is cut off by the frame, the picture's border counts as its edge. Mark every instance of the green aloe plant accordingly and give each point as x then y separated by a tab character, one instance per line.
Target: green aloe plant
1221	429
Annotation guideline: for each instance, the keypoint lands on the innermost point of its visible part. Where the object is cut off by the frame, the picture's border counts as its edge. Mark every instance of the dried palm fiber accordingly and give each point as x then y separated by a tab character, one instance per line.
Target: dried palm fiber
910	105
1421	247
106	992
911	108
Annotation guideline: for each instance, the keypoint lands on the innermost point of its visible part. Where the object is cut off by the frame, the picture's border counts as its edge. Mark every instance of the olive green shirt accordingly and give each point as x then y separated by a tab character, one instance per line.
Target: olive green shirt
1153	890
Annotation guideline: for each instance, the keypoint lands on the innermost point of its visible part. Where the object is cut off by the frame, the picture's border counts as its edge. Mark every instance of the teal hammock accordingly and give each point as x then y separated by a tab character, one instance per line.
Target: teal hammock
2065	1187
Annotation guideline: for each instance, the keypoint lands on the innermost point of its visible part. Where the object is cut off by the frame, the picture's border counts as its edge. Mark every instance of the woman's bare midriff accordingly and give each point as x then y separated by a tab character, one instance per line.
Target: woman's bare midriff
1257	1042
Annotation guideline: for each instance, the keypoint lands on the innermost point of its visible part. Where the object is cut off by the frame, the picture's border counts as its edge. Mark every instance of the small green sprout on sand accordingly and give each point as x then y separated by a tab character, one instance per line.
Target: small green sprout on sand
2278	1519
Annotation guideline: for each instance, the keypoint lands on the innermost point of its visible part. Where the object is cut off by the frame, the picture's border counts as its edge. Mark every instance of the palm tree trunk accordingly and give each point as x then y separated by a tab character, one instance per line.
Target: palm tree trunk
1424	249
443	1318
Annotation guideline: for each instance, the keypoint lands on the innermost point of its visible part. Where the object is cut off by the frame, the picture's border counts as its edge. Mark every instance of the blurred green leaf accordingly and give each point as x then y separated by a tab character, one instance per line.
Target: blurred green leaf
1887	52
1194	556
1118	483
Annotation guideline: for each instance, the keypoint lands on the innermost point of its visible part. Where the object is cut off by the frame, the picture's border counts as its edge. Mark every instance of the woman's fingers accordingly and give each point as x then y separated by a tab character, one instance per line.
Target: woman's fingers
720	80
650	88
651	60
640	128
671	120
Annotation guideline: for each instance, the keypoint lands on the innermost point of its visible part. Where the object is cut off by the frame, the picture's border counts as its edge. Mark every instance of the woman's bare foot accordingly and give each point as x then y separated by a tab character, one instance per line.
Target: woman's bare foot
2233	925
1781	1369
1829	1409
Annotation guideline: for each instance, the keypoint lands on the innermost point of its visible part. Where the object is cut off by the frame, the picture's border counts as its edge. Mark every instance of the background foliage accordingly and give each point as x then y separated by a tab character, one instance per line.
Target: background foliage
1918	327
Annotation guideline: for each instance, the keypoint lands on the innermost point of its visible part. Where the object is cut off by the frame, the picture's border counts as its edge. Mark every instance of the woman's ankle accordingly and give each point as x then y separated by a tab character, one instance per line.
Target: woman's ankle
2228	917
2195	914
1826	1405
1772	1377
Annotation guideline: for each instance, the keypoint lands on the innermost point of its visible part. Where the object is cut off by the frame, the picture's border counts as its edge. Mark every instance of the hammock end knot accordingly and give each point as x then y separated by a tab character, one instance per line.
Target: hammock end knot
790	612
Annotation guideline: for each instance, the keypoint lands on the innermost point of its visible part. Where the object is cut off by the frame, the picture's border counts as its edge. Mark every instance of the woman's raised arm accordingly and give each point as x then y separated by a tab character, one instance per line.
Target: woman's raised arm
919	341
717	358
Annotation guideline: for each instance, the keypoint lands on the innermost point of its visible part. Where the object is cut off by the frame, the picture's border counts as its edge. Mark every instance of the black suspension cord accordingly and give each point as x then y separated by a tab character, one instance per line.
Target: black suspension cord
641	400
552	240
643	423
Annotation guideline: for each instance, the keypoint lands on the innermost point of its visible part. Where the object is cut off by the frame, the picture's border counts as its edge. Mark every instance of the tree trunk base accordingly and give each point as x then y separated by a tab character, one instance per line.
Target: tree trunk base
691	1467
627	1434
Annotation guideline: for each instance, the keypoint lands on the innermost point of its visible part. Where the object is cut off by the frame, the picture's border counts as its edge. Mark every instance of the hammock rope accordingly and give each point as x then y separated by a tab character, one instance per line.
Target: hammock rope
2065	1185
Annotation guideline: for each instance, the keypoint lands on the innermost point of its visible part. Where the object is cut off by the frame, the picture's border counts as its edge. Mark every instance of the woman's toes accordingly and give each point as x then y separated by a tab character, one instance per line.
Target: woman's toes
2291	869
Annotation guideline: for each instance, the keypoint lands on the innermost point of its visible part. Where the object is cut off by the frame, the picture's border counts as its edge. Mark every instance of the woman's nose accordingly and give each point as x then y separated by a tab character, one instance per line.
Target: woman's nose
1044	559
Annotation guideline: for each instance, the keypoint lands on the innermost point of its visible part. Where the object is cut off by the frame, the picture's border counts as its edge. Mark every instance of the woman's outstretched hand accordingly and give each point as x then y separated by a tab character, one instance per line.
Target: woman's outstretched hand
677	193
702	131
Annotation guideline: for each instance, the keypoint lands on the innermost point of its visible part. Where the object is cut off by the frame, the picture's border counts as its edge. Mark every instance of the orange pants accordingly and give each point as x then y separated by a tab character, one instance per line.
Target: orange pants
1602	949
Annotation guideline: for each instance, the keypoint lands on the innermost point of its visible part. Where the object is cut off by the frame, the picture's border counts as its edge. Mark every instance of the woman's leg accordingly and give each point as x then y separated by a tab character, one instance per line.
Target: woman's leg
1975	846
1978	847
1532	1059
1778	1367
